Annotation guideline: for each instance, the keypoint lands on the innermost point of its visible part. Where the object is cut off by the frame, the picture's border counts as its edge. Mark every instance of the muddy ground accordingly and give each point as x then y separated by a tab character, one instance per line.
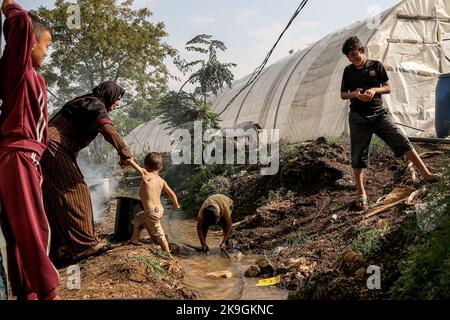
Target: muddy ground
303	220
125	272
312	232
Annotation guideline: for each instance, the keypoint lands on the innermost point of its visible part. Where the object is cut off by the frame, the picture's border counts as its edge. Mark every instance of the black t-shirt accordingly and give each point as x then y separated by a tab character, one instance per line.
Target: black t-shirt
373	75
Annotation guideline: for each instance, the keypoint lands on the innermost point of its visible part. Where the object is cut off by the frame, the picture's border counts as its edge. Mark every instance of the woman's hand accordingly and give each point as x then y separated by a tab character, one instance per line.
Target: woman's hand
125	163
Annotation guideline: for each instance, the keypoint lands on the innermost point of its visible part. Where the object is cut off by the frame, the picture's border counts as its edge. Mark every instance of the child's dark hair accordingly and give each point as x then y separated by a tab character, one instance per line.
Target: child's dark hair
210	214
39	26
153	161
352	43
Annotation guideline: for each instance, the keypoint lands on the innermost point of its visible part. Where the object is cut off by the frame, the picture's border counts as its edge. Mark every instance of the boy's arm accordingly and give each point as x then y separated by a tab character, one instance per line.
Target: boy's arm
351	95
172	195
383	79
19	39
345	91
135	166
384	89
200	234
227	234
228	227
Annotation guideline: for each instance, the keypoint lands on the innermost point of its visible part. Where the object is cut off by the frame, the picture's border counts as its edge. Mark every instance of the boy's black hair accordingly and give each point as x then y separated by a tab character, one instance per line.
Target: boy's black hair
39	26
210	214
352	43
153	161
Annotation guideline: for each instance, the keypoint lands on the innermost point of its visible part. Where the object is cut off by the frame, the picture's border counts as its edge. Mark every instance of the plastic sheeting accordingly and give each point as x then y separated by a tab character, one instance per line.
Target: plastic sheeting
150	136
300	94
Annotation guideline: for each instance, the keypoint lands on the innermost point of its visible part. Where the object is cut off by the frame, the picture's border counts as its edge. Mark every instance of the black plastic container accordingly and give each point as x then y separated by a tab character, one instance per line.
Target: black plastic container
126	209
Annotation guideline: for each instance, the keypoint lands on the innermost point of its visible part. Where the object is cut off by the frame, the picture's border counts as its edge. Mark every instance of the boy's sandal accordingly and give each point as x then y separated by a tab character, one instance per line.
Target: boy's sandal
361	203
436	178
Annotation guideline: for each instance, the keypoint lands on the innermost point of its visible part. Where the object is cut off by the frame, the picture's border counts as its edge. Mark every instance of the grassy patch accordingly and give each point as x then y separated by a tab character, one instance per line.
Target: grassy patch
163	254
275	195
368	243
146	260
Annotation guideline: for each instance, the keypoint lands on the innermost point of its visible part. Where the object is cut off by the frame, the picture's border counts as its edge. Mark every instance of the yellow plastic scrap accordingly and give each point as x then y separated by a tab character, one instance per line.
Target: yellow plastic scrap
268	282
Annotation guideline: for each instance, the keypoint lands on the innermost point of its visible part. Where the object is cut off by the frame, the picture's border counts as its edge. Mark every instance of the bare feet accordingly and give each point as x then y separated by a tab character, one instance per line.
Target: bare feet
134	242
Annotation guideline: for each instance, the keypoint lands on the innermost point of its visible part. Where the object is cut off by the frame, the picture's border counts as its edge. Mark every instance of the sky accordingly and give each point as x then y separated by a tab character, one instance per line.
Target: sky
249	28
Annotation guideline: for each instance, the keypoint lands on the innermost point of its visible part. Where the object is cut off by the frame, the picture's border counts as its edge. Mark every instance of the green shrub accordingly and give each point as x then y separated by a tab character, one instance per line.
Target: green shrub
368	243
201	182
425	274
274	195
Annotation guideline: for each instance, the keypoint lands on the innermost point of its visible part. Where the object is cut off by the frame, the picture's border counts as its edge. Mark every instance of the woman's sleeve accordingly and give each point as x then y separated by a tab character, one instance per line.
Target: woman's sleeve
98	114
113	137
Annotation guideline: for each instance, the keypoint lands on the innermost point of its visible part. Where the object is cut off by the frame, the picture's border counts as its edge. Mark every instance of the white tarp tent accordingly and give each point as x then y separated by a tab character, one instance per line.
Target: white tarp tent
300	94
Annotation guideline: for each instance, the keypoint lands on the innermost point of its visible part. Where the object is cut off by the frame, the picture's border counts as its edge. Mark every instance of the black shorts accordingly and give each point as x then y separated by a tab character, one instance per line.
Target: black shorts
362	128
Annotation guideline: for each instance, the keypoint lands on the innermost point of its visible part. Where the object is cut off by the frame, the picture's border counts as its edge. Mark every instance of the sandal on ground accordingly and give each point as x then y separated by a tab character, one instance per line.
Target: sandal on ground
361	203
436	178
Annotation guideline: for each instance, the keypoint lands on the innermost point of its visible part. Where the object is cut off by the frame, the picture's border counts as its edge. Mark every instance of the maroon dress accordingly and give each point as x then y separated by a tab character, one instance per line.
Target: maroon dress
66	195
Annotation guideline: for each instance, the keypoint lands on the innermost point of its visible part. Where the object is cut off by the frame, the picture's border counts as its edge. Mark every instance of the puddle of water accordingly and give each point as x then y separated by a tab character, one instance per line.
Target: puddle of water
197	265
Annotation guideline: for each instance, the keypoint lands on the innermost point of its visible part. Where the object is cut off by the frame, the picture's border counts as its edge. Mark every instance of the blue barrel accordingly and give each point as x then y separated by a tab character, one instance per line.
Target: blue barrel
442	120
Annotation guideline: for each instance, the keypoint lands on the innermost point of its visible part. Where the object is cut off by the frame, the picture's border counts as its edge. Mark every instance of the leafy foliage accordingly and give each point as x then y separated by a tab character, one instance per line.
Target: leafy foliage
276	195
114	43
180	110
211	74
152	265
196	183
369	242
425	274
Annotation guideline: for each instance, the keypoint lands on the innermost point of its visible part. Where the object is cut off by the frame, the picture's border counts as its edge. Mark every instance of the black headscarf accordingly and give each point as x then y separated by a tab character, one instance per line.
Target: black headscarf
108	92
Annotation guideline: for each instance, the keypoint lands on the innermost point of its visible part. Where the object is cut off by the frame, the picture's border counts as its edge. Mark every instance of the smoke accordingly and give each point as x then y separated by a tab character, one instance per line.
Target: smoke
101	182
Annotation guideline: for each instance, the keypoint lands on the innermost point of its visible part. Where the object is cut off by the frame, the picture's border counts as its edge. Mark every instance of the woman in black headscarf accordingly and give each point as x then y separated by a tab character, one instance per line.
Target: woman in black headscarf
66	194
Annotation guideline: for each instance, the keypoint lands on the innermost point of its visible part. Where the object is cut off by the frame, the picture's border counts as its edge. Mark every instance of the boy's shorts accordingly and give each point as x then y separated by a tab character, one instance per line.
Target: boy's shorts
151	221
362	128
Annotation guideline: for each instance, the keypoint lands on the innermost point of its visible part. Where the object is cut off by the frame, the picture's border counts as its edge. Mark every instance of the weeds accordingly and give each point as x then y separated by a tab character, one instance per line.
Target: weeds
146	260
425	273
274	195
368	243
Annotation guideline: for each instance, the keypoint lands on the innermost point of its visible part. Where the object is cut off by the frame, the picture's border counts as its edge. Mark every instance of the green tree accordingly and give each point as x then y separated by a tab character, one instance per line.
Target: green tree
181	109
210	73
114	42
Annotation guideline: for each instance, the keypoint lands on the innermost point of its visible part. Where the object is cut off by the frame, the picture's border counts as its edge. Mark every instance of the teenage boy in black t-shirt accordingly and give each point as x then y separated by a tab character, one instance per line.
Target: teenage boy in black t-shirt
363	82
